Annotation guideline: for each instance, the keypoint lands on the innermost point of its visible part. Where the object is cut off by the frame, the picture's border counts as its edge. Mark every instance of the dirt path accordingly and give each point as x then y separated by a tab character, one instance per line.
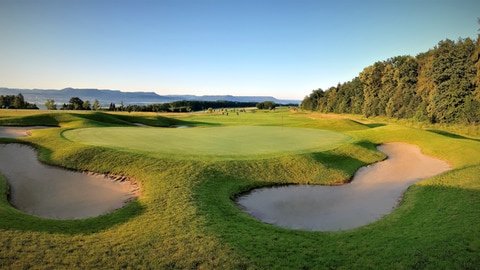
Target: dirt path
373	193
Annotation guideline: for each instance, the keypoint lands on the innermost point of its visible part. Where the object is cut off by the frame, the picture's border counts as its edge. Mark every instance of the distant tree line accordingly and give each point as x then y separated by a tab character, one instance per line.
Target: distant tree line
441	85
189	106
75	103
186	106
266	105
15	102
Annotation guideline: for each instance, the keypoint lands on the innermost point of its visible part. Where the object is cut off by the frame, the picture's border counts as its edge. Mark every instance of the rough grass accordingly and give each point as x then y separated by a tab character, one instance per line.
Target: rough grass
186	218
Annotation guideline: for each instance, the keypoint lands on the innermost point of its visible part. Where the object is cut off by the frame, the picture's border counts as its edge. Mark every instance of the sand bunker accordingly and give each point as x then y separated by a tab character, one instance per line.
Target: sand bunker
374	192
17	132
51	192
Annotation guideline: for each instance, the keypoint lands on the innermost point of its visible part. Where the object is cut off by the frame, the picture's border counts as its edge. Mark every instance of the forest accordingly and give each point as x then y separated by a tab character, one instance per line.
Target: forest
441	85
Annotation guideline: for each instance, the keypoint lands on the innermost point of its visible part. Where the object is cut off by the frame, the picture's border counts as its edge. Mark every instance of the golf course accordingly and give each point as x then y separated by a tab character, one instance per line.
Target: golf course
222	142
192	168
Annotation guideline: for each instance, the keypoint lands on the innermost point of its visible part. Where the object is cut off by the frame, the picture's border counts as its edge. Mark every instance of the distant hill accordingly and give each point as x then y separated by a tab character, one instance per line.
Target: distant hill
39	96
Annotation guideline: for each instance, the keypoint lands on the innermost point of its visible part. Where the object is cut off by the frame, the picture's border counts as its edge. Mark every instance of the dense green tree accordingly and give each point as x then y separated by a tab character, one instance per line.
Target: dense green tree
15	102
405	100
75	103
86	105
96	105
266	105
425	85
18	102
354	93
371	78
386	92
331	104
311	102
453	75
471	111
50	104
476	61
440	85
344	98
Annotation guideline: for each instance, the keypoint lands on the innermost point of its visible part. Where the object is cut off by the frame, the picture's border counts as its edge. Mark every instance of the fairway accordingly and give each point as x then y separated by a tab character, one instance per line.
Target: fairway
222	142
186	216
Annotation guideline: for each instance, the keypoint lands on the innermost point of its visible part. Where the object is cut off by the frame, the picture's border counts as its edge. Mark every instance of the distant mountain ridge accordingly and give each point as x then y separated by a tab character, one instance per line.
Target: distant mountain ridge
106	96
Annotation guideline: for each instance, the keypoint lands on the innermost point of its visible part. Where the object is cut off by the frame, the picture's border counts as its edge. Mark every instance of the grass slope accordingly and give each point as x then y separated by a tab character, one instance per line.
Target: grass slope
186	218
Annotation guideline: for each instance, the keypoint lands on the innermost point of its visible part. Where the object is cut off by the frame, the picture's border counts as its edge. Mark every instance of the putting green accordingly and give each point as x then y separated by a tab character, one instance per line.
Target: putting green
222	142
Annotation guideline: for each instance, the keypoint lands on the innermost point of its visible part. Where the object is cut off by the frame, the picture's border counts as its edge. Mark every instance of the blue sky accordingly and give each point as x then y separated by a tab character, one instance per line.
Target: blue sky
279	48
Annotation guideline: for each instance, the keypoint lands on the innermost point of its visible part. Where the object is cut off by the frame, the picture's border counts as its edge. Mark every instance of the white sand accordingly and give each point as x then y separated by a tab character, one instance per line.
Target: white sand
52	192
374	192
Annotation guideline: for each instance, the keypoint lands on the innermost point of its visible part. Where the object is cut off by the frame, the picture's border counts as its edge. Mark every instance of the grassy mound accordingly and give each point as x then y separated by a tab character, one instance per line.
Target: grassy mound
186	218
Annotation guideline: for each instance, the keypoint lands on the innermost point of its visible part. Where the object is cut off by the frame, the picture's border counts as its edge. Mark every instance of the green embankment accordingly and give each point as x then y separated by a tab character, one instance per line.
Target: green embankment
186	218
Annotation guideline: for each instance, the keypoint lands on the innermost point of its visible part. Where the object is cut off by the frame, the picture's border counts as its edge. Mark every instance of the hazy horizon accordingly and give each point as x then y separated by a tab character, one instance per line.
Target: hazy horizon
283	49
160	94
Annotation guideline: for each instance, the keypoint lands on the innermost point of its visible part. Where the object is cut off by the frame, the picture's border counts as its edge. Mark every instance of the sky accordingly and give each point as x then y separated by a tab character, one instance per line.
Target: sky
281	48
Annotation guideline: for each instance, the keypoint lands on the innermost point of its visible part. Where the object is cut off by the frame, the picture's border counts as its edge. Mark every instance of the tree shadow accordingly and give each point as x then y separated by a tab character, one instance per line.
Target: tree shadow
451	135
345	162
371	125
100	117
375	125
31	120
154	121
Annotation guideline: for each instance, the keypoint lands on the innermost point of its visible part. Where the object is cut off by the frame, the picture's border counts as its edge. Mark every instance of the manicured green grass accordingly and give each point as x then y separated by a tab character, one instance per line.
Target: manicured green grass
186	218
232	142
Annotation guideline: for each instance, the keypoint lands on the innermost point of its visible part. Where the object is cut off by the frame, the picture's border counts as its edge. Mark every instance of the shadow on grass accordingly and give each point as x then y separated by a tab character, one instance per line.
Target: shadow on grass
371	125
14	219
451	135
199	123
101	118
375	125
155	121
31	120
344	162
